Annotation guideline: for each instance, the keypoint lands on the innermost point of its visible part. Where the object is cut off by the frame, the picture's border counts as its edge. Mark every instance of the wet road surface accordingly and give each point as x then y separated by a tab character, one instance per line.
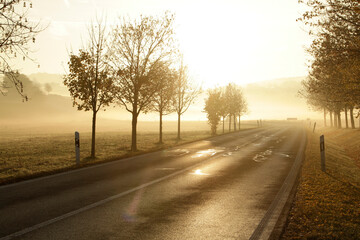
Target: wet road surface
220	188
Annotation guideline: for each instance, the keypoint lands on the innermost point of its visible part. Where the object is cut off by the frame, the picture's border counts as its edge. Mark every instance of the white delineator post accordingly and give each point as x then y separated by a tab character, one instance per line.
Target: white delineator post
77	147
322	152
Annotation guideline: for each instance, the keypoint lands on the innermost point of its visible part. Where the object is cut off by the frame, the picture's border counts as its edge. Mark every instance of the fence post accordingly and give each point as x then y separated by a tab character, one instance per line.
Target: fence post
314	127
322	152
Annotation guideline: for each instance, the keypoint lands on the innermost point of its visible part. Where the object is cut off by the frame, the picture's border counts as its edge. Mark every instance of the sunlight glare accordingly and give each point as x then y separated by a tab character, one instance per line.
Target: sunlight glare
224	43
199	172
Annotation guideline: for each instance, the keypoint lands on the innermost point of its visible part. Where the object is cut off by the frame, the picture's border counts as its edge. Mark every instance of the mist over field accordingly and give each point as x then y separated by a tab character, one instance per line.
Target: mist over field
50	107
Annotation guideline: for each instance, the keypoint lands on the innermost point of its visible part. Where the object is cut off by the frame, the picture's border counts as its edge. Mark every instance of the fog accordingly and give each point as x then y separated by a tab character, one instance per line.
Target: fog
273	99
50	108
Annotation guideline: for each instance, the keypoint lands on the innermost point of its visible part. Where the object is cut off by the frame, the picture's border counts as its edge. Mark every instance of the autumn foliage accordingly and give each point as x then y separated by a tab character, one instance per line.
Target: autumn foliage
225	102
333	83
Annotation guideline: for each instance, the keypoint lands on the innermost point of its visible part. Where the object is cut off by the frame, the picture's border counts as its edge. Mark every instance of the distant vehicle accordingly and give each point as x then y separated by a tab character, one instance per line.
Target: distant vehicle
292	119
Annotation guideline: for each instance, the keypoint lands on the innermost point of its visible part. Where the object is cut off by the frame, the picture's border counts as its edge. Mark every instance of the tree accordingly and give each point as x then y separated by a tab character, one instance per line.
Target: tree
242	106
47	88
224	109
162	101
185	94
138	48
89	81
15	34
315	99
213	106
32	89
338	20
235	103
230	96
333	84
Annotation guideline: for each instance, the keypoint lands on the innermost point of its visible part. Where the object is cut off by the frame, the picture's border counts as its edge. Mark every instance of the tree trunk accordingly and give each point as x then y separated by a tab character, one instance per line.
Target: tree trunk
324	117
234	122
223	124
239	122
352	117
160	128
346	118
93	129
331	119
229	122
335	120
133	131
213	129
339	119
178	135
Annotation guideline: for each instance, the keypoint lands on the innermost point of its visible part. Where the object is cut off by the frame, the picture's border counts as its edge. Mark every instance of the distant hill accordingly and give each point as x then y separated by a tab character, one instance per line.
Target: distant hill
40	107
55	81
277	99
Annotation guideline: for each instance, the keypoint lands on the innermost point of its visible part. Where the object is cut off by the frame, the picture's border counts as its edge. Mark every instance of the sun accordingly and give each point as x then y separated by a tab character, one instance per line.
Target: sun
217	44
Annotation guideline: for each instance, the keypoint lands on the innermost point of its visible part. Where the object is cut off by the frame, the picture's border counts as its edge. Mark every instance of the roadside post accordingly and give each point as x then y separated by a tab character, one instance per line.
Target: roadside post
77	147
322	152
314	127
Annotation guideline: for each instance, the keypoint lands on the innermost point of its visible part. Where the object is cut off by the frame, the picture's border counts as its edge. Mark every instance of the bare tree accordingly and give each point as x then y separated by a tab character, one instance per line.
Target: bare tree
16	31
162	101
89	81
185	94
137	48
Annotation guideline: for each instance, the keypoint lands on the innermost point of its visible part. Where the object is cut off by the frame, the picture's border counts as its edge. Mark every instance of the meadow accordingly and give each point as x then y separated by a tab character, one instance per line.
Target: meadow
34	151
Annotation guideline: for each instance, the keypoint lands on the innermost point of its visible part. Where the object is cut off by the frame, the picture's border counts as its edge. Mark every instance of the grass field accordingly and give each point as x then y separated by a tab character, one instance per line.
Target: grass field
327	204
27	153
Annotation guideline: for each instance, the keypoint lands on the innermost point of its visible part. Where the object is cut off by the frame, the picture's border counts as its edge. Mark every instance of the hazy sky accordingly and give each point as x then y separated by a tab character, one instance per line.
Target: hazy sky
222	41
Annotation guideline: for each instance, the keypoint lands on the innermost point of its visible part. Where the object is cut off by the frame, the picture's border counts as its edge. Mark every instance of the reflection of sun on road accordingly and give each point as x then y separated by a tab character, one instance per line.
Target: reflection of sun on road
199	172
208	152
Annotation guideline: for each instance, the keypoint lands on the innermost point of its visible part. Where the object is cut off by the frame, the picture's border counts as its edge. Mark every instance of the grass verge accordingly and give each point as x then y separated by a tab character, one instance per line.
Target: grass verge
327	204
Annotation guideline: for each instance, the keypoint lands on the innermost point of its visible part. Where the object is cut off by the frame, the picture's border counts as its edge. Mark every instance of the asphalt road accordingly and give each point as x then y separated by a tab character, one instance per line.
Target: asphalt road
227	187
